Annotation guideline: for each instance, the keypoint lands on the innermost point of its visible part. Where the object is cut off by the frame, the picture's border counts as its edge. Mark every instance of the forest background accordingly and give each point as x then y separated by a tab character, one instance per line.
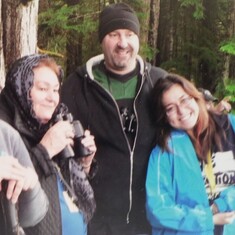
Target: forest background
195	38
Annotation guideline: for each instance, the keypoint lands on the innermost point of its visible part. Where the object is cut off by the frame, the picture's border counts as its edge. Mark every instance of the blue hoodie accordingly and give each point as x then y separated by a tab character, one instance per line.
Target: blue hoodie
177	202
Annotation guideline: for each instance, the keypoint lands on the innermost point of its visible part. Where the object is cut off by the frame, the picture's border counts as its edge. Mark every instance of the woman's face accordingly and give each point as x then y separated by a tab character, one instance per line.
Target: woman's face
181	109
45	93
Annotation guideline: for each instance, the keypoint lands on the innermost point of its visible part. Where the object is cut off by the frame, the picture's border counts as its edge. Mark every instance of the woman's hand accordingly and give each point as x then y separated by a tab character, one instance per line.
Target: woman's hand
30	178
58	137
10	168
224	218
89	142
224	105
17	176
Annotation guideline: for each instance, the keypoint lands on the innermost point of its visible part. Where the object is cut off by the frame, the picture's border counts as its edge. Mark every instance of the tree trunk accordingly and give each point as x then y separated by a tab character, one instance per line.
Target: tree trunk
153	27
231	33
74	43
19	28
2	65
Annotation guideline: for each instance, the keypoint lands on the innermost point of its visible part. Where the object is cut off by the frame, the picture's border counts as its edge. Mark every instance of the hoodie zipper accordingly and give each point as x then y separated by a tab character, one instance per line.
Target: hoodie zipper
89	66
130	151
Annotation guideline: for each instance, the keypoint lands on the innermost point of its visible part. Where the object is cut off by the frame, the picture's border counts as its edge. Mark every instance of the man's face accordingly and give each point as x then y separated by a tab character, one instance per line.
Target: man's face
120	48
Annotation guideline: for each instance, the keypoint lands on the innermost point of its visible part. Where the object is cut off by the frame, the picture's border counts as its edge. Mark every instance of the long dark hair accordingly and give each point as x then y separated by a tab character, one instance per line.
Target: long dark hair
206	131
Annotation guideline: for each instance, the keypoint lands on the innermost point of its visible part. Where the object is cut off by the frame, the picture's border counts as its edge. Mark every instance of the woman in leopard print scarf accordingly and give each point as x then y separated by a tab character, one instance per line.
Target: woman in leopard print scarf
30	103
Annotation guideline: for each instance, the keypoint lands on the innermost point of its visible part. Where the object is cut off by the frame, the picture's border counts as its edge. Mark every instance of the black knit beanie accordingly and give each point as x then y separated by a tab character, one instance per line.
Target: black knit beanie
117	16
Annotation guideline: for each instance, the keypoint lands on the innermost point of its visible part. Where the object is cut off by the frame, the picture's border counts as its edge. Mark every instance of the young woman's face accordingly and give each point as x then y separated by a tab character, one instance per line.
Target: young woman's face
45	93
120	49
182	110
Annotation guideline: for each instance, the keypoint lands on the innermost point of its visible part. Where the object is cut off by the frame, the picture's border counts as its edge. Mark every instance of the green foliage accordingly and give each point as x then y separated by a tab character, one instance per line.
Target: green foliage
66	18
62	24
56	17
227	91
209	56
197	4
230	89
176	65
228	47
148	52
189	35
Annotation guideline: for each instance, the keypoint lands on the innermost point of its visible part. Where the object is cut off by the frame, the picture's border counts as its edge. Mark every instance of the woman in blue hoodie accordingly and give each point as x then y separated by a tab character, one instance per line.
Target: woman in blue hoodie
191	172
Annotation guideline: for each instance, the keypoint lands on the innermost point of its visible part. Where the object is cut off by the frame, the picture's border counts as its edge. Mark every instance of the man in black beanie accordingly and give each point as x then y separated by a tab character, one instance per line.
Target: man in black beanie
111	95
118	16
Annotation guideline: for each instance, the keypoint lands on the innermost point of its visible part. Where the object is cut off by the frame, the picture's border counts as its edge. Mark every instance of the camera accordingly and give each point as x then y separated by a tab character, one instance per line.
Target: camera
78	149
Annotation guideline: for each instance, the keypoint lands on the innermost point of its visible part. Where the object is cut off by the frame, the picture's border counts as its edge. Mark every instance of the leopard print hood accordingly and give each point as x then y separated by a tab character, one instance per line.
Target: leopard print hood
19	81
